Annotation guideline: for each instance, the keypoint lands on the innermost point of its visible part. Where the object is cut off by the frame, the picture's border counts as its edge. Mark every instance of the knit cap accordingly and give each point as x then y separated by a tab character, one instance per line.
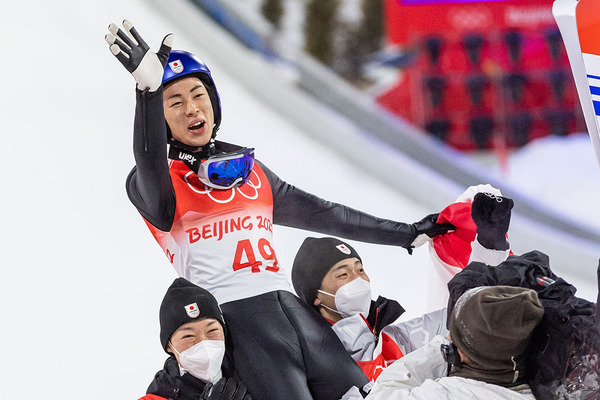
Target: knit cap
314	259
492	326
185	302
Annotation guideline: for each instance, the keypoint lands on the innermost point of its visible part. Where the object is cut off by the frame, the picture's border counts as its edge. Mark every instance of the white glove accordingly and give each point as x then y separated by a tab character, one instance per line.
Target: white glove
130	49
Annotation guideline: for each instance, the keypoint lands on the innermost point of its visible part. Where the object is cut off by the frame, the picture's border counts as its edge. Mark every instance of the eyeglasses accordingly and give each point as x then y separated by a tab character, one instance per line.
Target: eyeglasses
227	171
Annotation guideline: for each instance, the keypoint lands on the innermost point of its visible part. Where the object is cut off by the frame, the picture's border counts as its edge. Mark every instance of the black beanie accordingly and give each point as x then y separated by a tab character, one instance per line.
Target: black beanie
493	325
185	302
314	259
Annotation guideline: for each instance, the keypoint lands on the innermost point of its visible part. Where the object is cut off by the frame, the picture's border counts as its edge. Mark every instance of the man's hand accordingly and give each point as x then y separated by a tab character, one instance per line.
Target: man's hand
132	51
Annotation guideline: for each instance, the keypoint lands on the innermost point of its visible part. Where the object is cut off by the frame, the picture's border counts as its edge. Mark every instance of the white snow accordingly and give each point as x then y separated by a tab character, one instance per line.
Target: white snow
560	172
82	278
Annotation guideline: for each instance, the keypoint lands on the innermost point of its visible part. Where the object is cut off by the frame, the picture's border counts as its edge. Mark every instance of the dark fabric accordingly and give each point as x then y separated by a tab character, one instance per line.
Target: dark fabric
313	261
582	374
502	377
226	389
168	382
149	185
522	271
186	302
568	320
491	214
492	327
383	312
278	335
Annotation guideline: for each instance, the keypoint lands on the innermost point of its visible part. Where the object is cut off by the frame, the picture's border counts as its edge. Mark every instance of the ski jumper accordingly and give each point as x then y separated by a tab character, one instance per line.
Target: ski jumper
222	241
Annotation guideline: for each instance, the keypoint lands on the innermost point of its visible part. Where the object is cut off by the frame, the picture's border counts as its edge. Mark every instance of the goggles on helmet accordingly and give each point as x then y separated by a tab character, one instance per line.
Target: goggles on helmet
226	171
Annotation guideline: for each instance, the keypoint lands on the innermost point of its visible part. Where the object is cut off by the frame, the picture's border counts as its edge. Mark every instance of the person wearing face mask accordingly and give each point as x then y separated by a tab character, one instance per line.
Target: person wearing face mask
329	275
211	207
192	332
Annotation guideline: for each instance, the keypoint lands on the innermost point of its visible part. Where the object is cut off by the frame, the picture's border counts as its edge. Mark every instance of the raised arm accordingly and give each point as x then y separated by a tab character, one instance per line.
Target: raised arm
149	185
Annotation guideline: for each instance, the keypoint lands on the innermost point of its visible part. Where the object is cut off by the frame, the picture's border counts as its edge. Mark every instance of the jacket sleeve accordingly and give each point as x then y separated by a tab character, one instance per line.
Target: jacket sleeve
296	208
149	185
415	333
408	373
487	256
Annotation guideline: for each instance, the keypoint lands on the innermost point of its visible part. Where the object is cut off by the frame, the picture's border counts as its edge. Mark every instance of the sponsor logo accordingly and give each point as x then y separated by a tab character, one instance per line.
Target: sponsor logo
187	157
343	248
176	66
192	310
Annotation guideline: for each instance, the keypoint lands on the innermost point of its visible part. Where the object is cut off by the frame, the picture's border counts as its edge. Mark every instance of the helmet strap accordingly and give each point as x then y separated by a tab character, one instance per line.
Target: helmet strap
197	151
191	159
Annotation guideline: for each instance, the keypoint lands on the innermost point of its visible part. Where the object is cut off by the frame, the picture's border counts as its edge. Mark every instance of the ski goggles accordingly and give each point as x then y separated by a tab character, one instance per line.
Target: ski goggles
227	171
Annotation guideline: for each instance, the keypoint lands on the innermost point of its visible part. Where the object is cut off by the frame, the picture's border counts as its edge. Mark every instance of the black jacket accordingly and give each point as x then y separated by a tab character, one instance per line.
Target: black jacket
568	331
170	384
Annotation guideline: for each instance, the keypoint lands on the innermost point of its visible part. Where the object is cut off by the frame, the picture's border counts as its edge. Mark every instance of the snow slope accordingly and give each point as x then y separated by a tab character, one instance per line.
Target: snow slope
82	278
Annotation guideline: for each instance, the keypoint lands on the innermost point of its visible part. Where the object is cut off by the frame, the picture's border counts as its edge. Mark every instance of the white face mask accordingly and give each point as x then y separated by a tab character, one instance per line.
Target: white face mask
203	360
352	298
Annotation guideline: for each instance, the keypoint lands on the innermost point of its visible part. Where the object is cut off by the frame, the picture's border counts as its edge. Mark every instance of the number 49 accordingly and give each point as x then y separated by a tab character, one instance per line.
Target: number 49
244	247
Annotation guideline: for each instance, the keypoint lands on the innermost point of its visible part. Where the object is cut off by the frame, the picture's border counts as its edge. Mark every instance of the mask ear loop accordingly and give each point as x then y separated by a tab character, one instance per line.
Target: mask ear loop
181	369
328	294
329	308
173	347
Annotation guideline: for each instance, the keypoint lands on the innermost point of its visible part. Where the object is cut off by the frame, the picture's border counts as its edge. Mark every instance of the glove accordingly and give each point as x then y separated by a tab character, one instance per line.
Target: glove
225	389
491	214
428	228
130	49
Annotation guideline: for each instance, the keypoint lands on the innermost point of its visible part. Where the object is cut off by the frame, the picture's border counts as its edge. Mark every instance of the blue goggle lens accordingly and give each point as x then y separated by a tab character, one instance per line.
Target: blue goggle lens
231	171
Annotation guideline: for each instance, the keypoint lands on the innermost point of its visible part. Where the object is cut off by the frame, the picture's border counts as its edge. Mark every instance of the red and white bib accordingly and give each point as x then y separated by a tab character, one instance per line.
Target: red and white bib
222	240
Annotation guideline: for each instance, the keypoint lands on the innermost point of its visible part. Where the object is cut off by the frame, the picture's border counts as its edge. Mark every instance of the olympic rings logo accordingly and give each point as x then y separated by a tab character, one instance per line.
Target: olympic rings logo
494	197
194	184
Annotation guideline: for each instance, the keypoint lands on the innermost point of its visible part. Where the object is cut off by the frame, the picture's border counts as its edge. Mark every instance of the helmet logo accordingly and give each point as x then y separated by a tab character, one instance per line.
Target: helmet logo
192	310
343	248
176	66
